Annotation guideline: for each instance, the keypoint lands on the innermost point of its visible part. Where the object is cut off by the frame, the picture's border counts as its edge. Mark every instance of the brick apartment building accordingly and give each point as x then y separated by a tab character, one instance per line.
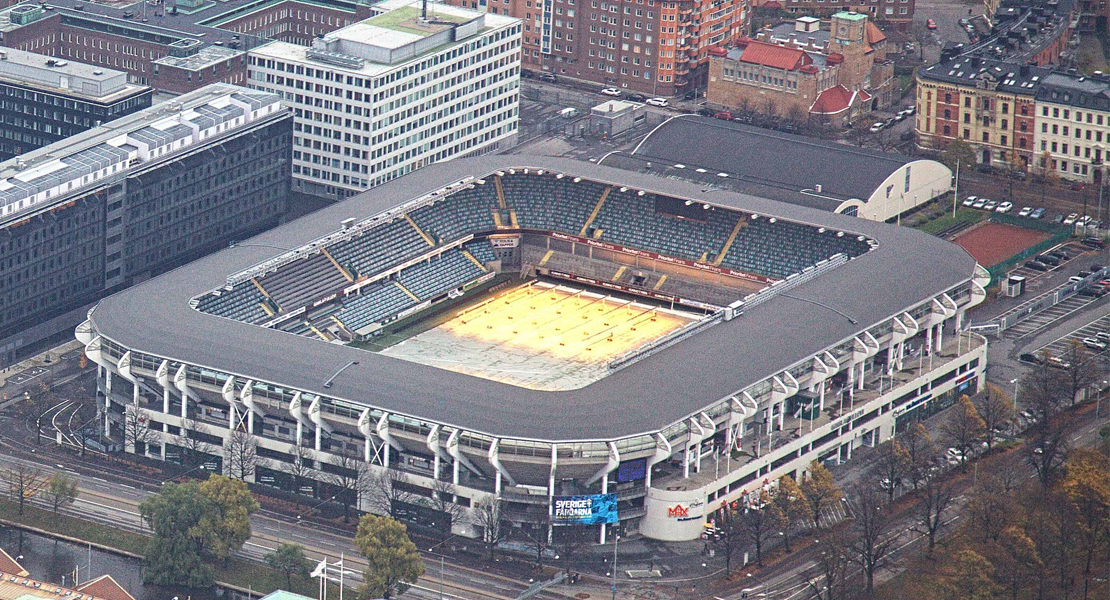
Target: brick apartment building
657	47
835	74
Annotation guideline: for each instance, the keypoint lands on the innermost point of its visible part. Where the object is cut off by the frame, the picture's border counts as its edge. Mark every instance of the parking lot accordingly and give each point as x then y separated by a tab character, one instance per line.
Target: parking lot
1075	252
1096	333
1049	316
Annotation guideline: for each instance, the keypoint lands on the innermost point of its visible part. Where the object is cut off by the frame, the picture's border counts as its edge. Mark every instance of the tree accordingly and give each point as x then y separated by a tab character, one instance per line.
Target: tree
1087	485
227	525
24	482
964	428
351	477
991	509
996	408
971	579
290	560
830	582
1046	448
136	429
301	469
1081	370
958	152
386	488
868	541
489	518
757	523
43	402
569	542
731	536
536	534
60	490
1019	561
920	449
194	450
241	450
1042	388
935	498
820	492
892	464
173	555
393	563
790	503
443	500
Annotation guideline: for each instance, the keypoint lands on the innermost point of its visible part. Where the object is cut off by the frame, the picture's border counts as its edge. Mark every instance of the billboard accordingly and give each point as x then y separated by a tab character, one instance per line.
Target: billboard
584	510
632	470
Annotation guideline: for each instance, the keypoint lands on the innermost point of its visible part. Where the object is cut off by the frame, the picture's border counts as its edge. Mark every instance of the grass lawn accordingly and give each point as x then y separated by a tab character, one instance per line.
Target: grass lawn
963	215
239	573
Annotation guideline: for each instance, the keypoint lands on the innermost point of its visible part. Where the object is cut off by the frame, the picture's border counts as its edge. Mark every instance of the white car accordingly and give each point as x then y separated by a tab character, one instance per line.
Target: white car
970	200
1025	211
1070	219
980	202
657	102
877	127
1004	207
611	92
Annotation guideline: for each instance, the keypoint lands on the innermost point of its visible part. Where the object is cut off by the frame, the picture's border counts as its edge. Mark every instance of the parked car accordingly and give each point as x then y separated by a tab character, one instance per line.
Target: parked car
637	97
1094	242
724	115
611	91
1094	344
1070	219
877	127
1036	265
1037	213
990	205
970	200
1048	259
1058	254
1003	207
1030	358
1103	335
549	77
658	102
1059	219
1025	211
980	202
931	24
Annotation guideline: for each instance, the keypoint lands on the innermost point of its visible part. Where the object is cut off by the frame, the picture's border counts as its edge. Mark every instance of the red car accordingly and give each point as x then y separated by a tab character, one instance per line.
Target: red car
724	115
931	24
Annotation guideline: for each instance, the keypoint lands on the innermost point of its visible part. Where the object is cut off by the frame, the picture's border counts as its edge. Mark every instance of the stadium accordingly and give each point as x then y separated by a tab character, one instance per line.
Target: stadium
543	335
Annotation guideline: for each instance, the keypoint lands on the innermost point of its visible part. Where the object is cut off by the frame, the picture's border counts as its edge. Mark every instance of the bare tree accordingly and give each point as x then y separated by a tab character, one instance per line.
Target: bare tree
385	489
241	450
1080	368
757	523
569	541
991	508
537	535
891	465
24	482
732	535
85	431
920	448
964	428
996	408
191	440
1043	388
443	500
301	468
829	581
935	498
136	429
869	542
351	477
1046	448
490	519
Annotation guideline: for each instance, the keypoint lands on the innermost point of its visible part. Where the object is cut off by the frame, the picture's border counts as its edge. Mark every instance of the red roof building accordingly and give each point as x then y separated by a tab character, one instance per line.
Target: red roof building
772	55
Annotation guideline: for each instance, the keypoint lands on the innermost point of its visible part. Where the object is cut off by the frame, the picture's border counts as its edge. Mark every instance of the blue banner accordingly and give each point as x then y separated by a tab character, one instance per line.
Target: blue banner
584	510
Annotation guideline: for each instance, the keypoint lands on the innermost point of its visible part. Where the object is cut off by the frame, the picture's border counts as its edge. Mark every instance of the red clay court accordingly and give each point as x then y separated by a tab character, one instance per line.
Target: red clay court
992	243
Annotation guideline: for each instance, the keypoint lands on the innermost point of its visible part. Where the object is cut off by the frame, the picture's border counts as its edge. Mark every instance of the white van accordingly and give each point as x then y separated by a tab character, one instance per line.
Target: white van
568	113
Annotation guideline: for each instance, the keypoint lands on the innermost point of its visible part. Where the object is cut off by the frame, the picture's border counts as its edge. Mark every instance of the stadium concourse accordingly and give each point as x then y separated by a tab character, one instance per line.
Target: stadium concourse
767	336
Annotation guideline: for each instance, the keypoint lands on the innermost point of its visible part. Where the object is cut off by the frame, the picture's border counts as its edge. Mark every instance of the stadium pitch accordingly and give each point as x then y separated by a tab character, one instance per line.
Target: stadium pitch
541	335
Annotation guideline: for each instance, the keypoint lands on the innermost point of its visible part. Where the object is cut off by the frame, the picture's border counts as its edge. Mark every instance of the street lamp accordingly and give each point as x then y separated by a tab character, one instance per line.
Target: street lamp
616	541
309	511
200	468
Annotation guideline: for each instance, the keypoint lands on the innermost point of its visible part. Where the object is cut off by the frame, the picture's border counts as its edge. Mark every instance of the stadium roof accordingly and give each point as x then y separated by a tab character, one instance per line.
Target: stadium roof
155	318
764	162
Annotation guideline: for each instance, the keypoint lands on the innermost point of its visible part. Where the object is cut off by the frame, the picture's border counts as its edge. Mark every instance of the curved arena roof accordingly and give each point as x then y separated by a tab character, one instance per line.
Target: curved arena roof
906	268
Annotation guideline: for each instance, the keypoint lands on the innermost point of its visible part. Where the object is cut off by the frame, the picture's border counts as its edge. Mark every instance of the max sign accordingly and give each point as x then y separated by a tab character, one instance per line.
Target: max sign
678	511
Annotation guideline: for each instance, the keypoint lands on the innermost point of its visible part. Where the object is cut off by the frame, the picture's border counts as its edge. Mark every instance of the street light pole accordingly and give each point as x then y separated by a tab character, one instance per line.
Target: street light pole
616	541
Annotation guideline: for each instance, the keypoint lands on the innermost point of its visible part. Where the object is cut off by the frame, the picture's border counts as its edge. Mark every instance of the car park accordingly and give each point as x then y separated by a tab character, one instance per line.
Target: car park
611	91
1037	213
658	102
970	200
1025	211
1003	207
1036	265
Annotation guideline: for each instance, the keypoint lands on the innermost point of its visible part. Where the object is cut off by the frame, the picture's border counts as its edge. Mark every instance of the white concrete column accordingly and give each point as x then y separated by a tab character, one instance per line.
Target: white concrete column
940	336
928	349
181	382
663	451
365	429
605	490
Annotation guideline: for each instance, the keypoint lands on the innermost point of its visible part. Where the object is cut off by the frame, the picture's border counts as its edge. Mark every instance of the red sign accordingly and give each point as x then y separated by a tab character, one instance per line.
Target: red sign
678	511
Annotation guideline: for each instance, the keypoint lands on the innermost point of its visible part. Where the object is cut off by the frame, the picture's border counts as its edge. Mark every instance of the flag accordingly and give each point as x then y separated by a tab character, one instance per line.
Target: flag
320	568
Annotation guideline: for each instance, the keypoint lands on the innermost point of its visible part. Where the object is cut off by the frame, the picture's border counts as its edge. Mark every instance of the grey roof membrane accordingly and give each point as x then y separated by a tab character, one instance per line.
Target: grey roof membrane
770	158
155	317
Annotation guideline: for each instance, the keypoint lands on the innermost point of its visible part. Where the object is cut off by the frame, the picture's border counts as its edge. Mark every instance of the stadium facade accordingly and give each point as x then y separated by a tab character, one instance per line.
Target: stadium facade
133	198
831	333
390	94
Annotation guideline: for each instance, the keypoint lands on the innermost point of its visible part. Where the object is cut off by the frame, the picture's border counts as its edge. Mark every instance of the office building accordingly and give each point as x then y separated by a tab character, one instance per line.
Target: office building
43	100
395	92
132	198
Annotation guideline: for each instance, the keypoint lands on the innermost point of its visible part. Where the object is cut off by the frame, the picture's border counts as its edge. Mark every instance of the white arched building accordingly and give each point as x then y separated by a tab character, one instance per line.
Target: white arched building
814	365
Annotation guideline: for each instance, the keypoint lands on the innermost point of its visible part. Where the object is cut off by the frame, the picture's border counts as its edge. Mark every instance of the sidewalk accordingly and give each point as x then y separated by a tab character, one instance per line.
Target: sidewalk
44	360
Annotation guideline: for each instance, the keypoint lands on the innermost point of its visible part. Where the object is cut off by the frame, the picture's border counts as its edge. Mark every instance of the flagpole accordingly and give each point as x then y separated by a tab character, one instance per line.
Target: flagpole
342	568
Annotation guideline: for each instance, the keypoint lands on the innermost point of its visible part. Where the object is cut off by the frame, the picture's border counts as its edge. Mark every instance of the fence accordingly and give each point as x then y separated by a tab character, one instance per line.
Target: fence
1059	235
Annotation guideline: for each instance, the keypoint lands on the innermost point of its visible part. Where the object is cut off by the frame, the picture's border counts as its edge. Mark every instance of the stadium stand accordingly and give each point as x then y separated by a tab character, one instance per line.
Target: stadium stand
527	201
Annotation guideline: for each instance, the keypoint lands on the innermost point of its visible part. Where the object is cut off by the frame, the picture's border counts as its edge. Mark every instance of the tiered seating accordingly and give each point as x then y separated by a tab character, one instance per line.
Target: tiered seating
243	303
548	204
481	250
376	303
299	283
434	277
630	219
379	248
781	248
464	212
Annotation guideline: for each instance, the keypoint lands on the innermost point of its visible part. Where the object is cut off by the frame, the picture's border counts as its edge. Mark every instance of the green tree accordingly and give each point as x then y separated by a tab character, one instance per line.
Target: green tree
227	525
173	555
289	559
393	563
820	492
958	152
60	490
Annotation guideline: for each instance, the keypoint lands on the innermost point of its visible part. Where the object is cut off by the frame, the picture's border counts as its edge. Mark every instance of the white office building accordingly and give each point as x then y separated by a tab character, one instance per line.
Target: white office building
400	90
